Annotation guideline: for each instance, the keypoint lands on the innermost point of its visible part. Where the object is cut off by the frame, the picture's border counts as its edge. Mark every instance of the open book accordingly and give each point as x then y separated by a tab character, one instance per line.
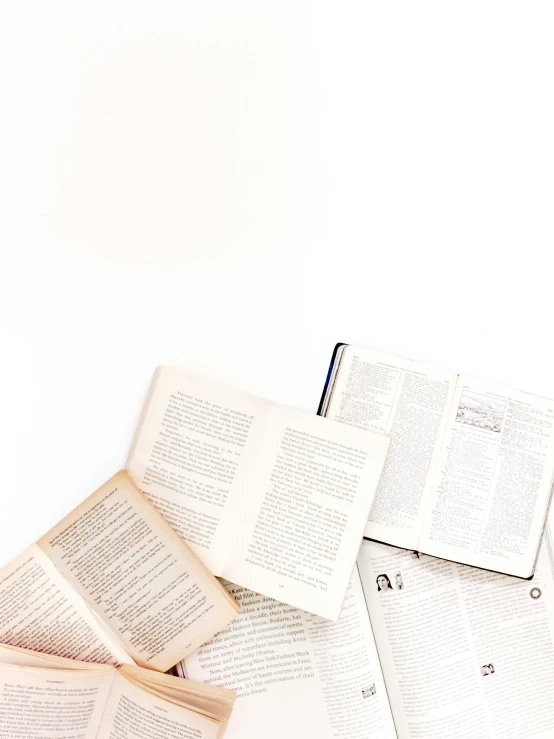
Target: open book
46	696
470	468
448	652
267	496
112	583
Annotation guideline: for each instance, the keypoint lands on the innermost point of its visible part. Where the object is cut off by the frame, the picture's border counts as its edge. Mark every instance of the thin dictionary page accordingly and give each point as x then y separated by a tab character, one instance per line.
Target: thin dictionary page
298	675
52	704
299	537
493	482
409	402
192	450
39	610
464	652
137	576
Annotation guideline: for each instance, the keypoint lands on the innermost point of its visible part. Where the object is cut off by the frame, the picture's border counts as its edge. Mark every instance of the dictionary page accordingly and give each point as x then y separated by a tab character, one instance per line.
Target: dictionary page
464	652
409	402
299	537
297	675
52	704
194	444
137	575
493	481
39	610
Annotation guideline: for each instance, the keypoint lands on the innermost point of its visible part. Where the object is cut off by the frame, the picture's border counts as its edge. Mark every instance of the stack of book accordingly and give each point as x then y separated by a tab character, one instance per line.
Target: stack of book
437	485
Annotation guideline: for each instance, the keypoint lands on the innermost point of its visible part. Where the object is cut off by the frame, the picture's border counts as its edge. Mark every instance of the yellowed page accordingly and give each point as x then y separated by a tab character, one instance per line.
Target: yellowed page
134	712
137	575
28	658
39	610
51	704
194	702
207	698
409	402
193	447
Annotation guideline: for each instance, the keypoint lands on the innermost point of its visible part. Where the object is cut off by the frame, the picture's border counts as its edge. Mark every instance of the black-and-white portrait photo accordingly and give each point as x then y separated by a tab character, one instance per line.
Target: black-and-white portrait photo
384	584
480	411
398	581
487	670
369	691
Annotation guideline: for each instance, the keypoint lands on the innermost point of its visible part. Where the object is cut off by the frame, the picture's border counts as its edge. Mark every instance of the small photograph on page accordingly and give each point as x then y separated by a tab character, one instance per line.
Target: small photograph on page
367	692
480	411
487	670
385	582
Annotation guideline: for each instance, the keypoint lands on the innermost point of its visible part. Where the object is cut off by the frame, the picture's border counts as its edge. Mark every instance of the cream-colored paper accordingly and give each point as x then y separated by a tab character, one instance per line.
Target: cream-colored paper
302	531
39	610
191	454
268	496
57	698
135	712
137	575
49	703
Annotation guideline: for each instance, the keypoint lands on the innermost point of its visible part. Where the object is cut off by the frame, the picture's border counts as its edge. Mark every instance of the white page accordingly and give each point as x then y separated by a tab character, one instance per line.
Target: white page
52	704
300	534
39	610
297	675
464	652
192	449
409	402
493	482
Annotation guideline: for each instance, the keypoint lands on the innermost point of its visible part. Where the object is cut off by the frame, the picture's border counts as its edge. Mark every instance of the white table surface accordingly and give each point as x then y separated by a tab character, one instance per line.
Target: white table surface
237	186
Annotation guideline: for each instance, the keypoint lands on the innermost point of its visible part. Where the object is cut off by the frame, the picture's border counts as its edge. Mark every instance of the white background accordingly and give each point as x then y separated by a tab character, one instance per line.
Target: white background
240	185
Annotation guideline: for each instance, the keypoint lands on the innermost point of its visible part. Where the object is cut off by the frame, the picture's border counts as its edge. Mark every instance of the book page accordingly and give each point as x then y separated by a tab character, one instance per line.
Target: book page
137	576
52	704
465	652
207	699
28	658
409	402
194	442
299	537
40	611
134	713
493	482
298	675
